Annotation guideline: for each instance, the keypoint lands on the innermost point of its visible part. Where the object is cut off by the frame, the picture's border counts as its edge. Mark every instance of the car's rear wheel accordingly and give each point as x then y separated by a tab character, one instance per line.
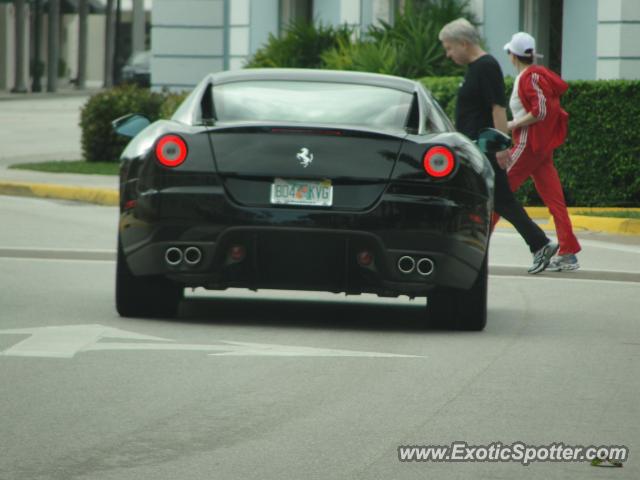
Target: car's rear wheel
149	296
460	309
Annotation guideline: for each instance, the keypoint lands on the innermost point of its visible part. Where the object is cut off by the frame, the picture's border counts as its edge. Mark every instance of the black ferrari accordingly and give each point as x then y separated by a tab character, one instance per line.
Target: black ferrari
305	180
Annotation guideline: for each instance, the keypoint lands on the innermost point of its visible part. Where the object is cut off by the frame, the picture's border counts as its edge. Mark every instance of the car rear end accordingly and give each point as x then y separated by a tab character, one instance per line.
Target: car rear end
313	185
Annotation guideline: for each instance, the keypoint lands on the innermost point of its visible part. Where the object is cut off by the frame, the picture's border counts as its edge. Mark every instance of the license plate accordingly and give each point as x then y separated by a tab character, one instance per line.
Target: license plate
302	192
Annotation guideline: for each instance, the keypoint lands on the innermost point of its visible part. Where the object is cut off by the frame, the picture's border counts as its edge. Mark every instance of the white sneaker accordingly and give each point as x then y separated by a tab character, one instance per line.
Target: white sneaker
564	263
542	257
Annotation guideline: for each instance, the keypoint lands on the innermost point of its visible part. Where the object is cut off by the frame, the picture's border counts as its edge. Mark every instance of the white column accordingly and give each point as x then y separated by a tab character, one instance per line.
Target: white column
239	30
350	12
53	45
21	47
138	26
109	43
83	39
618	44
7	49
381	10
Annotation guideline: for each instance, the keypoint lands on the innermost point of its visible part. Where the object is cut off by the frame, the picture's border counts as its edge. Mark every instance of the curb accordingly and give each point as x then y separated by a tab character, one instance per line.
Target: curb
6	96
618	226
110	197
543	212
99	196
612	225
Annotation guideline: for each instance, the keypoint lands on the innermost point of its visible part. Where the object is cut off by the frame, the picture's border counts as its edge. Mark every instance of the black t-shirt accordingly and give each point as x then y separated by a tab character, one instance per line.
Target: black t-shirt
481	89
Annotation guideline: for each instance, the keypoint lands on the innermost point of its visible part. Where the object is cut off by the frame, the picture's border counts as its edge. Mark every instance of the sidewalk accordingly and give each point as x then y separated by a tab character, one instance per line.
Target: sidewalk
63	92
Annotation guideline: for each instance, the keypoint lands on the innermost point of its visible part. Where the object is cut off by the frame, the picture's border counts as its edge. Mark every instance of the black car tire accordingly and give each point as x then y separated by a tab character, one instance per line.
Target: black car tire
150	296
460	309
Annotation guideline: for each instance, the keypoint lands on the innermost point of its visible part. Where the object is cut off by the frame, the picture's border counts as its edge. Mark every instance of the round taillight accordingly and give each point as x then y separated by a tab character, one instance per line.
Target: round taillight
171	150
438	162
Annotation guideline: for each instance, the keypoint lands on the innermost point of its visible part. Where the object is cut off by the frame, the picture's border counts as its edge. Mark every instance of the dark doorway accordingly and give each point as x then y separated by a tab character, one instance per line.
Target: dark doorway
543	20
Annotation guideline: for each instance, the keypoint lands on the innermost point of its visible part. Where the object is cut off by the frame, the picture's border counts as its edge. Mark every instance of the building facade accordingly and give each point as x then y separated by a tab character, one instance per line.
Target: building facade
582	39
191	38
69	39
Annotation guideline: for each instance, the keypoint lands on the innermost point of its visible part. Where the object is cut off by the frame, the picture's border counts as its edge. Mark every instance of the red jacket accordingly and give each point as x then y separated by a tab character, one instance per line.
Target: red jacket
539	90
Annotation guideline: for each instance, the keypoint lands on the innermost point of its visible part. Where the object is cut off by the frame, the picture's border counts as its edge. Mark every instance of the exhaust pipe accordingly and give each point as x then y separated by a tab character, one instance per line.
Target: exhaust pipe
192	256
425	266
173	256
406	264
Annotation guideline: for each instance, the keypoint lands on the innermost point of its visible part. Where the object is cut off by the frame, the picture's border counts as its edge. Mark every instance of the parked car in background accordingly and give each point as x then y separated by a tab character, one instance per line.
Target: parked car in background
305	180
137	70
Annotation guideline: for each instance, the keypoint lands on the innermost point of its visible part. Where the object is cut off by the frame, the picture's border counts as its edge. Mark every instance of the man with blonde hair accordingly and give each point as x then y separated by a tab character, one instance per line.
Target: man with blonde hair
481	104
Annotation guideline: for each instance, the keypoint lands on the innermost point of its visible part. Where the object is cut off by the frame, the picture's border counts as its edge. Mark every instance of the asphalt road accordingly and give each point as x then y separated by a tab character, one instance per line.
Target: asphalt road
282	385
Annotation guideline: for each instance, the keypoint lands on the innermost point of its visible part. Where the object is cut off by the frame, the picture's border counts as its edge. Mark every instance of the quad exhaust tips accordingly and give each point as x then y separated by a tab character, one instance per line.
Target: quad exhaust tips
424	266
406	264
192	256
175	256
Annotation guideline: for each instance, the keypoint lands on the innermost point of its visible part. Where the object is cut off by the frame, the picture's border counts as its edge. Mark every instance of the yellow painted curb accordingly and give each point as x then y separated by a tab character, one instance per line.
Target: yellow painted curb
543	212
618	226
100	196
615	226
538	212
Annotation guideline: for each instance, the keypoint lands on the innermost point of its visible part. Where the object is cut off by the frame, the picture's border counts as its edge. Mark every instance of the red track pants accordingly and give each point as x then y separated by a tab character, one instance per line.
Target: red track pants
540	167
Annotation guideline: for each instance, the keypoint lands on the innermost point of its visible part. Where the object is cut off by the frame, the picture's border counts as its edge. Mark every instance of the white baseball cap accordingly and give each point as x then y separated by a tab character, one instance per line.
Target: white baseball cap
520	43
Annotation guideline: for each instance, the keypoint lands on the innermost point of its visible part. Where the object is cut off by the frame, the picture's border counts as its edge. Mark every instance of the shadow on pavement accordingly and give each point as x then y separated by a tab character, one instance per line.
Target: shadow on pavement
285	313
311	314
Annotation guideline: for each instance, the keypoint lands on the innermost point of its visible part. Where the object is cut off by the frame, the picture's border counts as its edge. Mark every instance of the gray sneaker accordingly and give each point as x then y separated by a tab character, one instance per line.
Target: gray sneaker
542	257
564	263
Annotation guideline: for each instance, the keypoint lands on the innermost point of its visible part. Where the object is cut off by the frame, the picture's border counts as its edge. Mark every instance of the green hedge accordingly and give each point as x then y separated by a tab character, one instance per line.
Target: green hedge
99	142
599	164
300	46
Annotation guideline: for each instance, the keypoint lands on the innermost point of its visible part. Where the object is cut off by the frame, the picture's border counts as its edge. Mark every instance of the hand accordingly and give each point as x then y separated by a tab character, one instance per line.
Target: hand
511	125
504	159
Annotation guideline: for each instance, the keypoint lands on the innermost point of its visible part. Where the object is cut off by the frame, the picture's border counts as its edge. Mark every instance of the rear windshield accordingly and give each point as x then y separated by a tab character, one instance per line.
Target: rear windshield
312	102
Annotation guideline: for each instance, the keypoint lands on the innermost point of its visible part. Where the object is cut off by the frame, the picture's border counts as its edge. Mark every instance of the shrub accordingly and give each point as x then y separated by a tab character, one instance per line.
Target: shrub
444	90
599	163
415	35
408	48
171	103
300	46
379	57
99	142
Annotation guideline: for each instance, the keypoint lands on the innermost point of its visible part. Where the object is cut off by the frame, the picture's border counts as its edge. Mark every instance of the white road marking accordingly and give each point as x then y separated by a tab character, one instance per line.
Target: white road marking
64	341
67	341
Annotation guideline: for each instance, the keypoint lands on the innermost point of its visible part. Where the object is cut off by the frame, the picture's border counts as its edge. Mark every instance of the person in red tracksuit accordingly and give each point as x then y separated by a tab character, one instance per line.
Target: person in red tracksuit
539	126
